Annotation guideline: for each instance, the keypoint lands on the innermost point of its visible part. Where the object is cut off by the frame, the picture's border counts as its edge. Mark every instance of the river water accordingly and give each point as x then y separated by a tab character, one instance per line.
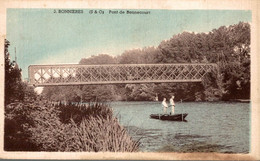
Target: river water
210	127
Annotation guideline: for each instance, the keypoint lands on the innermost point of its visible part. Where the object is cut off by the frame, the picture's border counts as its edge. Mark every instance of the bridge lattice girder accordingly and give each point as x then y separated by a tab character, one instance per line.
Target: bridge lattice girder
72	74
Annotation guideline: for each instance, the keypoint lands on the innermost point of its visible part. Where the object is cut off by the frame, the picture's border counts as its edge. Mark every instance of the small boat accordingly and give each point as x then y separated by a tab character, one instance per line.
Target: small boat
175	117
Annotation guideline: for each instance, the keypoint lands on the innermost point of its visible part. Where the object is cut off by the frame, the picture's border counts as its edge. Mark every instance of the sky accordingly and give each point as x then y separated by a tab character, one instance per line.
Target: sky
41	36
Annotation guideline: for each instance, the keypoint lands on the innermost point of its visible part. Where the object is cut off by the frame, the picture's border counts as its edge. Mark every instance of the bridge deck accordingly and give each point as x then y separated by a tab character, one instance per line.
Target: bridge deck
75	74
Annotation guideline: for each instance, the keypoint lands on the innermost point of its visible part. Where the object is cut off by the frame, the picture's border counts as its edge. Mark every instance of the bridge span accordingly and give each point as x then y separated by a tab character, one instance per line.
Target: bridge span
75	74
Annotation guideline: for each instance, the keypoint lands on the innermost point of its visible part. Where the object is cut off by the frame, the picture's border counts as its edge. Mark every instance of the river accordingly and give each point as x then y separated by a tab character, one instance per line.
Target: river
211	127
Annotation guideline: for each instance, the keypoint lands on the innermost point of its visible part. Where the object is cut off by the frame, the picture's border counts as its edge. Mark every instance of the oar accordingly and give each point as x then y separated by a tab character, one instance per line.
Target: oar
181	112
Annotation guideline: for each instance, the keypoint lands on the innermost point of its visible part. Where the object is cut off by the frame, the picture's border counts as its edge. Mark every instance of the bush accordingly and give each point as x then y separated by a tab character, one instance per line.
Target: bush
16	128
41	126
95	129
78	112
101	134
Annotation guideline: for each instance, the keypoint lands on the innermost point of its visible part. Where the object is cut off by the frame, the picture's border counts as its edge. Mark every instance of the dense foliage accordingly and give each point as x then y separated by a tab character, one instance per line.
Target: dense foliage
17	123
16	120
79	112
229	47
79	128
43	126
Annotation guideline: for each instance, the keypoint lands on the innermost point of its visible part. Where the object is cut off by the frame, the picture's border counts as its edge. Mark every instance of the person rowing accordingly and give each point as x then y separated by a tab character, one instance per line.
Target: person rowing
172	104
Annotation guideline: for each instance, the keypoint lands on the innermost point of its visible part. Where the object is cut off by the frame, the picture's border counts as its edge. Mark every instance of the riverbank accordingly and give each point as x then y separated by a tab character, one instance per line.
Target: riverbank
39	125
152	102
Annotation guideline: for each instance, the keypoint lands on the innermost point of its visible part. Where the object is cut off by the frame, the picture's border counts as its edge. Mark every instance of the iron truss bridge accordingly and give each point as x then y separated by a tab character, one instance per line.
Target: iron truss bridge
75	74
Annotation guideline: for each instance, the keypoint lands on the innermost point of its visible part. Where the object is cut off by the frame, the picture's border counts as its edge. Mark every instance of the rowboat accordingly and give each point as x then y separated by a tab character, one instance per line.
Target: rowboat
175	117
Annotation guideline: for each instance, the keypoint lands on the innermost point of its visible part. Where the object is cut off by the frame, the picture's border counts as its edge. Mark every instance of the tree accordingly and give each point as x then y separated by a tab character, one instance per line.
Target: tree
99	59
13	81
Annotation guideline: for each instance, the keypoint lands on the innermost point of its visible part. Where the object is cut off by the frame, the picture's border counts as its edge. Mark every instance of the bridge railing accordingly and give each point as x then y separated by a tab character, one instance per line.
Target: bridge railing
75	74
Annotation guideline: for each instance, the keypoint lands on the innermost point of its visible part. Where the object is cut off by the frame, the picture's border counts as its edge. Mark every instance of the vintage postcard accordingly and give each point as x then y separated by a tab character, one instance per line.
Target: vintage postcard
129	80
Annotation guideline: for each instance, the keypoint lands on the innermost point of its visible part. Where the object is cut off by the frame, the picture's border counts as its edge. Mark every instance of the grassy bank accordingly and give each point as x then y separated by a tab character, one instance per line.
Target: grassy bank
42	126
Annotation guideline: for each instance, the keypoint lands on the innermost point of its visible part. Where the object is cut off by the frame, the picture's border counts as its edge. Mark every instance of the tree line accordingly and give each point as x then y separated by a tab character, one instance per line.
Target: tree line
229	47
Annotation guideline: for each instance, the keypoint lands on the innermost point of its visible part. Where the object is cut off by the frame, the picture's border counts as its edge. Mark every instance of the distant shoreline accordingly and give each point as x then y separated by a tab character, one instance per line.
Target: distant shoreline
228	101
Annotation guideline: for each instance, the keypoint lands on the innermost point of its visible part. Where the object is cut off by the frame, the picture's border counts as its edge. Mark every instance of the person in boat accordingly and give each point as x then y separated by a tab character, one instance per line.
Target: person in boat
164	105
172	104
